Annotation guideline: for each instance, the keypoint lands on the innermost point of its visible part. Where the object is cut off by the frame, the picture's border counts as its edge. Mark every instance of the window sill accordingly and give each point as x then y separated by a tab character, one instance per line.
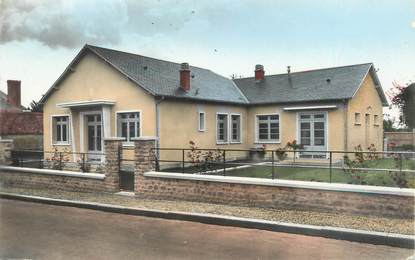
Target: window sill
239	142
61	144
201	130
222	143
127	144
267	142
358	124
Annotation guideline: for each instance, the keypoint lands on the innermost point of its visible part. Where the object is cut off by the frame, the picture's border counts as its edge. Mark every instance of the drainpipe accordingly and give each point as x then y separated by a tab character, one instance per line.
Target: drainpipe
346	123
158	101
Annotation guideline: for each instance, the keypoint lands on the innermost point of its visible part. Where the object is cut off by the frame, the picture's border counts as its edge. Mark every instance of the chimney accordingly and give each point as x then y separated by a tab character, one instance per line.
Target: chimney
14	93
259	73
290	81
185	76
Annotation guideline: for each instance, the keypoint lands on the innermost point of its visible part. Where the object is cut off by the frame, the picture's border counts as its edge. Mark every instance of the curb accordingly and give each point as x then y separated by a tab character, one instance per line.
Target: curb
355	235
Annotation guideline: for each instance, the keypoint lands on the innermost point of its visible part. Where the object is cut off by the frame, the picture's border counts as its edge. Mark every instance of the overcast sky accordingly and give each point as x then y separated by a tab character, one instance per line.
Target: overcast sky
38	39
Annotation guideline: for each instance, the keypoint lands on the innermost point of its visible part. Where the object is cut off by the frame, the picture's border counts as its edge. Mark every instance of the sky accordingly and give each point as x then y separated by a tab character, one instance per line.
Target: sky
39	38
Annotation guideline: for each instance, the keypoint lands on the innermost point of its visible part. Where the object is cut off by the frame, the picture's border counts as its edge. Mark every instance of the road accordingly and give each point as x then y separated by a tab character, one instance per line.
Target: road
38	231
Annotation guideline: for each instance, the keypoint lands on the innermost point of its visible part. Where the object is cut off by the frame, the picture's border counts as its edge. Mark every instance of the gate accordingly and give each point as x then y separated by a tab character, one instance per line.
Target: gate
126	180
126	171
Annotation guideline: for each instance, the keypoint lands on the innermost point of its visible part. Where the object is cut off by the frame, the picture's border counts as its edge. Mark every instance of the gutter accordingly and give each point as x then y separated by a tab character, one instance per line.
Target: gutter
158	122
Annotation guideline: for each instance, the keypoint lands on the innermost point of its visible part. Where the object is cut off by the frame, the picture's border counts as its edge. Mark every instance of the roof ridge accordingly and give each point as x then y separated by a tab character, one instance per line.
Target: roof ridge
135	54
313	70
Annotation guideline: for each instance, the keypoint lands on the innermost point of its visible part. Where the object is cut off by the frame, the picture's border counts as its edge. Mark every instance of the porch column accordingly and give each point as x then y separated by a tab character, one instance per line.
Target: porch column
144	157
113	146
106	121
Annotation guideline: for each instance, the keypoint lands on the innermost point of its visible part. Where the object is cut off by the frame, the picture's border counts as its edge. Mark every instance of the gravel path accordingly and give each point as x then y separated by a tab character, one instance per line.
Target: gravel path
391	225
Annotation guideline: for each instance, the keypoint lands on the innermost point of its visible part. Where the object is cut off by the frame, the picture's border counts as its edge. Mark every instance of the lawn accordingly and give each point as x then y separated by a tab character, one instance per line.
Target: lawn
378	178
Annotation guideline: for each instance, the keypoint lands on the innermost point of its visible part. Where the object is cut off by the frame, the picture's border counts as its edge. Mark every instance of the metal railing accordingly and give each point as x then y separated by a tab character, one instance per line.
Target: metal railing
280	163
57	159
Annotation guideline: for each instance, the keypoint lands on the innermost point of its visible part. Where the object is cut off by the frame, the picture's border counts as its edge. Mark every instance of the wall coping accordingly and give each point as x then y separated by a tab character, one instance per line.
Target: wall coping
114	139
145	138
6	140
96	176
287	183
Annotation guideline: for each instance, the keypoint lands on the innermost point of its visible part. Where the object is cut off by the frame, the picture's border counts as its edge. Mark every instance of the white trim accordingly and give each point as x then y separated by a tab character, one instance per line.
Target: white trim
240	128
216	122
85	175
257	141
286	183
68	143
73	138
82	128
85	103
204	121
128	143
309	107
326	127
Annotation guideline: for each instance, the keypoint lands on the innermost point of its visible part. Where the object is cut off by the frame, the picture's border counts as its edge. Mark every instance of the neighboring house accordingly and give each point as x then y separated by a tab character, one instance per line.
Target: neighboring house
105	93
24	127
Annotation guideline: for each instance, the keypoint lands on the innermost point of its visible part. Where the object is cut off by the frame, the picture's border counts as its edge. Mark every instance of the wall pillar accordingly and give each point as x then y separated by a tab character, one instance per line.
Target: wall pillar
6	147
144	156
113	146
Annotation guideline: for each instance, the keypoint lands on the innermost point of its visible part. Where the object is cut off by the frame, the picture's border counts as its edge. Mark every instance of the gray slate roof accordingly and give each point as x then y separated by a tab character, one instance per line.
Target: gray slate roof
307	86
162	77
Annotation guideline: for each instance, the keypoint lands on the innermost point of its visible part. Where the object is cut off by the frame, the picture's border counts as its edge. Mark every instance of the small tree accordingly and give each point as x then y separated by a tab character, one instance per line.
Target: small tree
403	97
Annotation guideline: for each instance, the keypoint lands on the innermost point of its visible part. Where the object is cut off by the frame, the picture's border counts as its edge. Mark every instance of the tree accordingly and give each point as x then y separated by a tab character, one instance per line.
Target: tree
403	97
388	125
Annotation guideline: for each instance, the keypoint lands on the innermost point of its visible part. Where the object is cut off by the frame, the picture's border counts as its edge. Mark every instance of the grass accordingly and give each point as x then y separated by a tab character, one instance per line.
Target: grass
378	178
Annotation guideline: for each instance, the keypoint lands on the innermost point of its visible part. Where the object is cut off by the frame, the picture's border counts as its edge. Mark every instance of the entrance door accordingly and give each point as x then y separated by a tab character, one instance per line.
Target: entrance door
313	134
94	136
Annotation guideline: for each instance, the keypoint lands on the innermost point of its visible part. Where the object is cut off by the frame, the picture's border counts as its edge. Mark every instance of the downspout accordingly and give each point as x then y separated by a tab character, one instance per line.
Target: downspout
346	123
158	101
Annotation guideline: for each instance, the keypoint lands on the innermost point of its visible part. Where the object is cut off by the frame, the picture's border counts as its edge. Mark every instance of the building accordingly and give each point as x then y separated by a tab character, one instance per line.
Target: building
24	127
105	93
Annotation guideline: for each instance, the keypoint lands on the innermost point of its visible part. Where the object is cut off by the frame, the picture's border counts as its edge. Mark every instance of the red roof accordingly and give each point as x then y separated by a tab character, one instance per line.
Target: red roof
12	122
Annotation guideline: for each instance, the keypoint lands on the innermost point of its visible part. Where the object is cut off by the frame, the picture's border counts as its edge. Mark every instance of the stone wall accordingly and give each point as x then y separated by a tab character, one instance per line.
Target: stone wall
6	147
278	194
400	138
68	180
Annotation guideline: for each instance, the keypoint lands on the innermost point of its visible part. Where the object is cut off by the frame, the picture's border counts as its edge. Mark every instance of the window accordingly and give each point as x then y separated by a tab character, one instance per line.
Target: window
222	128
268	128
376	120
128	125
236	128
357	119
60	126
201	121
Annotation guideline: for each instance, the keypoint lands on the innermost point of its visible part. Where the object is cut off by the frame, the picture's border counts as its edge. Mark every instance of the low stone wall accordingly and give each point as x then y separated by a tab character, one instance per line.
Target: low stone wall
67	180
52	179
280	194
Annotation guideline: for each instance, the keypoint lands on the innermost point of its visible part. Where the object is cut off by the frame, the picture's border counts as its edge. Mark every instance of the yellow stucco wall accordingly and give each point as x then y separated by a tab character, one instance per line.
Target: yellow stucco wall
93	79
366	101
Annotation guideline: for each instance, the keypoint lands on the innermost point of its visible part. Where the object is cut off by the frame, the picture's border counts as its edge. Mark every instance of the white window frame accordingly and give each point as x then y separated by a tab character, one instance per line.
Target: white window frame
68	130
240	128
357	115
376	120
126	142
257	140
227	125
202	129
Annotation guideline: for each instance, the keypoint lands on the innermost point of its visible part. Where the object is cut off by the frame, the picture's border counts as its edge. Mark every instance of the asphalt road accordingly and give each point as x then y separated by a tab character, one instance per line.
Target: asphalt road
37	231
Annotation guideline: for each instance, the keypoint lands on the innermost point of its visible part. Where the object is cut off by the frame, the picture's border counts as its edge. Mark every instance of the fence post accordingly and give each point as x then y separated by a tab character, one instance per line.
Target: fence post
60	161
273	170
400	163
144	159
6	147
331	164
83	162
182	160
112	146
224	162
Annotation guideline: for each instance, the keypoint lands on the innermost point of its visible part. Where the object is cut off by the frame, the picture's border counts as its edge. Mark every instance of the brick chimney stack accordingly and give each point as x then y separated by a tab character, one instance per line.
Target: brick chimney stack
185	76
14	93
259	73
